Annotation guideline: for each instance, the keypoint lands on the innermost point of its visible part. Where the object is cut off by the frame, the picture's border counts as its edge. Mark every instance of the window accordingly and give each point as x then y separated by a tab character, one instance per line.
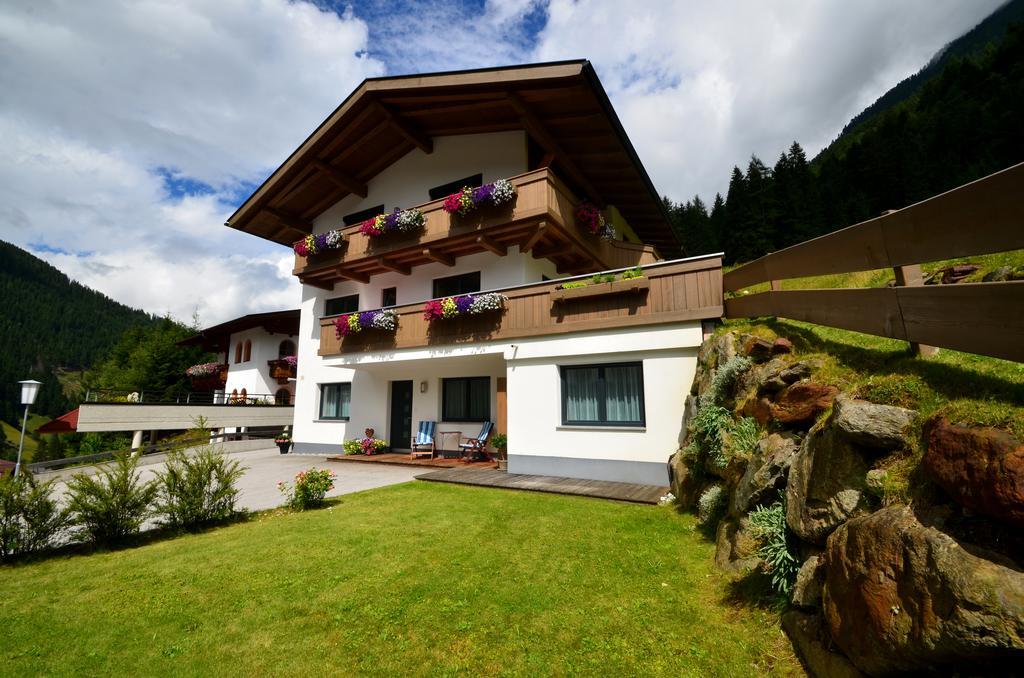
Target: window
286	347
282	397
438	192
335	400
466	399
608	395
389	297
362	215
238	352
247	356
457	284
338	305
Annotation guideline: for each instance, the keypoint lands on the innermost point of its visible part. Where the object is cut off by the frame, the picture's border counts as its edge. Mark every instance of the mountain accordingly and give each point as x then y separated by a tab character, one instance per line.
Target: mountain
50	327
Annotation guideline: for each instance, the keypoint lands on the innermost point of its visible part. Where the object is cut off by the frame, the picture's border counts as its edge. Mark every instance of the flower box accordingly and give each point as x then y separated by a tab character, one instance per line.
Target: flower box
463	305
397	222
282	369
349	324
312	245
631	286
208	376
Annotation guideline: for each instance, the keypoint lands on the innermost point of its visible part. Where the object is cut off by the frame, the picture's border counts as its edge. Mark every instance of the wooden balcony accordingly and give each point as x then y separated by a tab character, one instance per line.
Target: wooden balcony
281	370
540	221
669	292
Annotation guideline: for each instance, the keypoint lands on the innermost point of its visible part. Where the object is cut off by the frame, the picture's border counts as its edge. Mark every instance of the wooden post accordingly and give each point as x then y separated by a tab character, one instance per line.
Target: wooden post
502	403
776	285
910	276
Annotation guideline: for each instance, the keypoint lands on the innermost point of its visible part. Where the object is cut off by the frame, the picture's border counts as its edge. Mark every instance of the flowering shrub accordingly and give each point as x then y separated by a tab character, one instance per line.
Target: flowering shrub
311	244
309	489
399	221
590	218
489	195
204	370
365	446
464	304
352	323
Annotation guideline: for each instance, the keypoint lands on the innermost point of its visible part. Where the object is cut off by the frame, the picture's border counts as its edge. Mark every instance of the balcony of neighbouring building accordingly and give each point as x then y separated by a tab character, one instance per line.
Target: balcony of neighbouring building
539	220
666	292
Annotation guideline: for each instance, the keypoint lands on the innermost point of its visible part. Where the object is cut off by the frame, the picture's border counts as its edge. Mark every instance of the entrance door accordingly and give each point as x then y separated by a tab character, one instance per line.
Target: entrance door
401	415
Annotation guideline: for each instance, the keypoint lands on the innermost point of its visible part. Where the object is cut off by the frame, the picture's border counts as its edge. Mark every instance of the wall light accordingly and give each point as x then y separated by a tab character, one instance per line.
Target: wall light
423	386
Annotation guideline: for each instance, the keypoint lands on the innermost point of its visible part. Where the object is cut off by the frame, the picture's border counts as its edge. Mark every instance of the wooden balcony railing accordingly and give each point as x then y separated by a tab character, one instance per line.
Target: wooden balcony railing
670	292
540	220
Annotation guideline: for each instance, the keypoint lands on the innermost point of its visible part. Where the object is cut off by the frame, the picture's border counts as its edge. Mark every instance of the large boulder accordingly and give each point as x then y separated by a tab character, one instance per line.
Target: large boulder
809	582
765	477
900	597
803	401
881	427
981	468
812	644
736	546
777	374
757	349
826	485
686	480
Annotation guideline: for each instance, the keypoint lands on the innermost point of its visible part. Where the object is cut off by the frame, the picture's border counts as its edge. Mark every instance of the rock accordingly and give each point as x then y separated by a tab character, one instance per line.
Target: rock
759	408
765	477
901	597
782	375
809	580
686	481
757	349
875	481
803	401
826	485
981	468
782	345
1017	273
951	274
880	427
735	546
810	639
998	275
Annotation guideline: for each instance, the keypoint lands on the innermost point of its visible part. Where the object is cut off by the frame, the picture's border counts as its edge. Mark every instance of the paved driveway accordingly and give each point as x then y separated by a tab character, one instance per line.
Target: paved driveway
265	468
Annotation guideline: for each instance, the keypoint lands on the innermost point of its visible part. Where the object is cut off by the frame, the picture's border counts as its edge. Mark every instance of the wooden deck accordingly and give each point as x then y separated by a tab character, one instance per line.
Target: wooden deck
402	459
602	489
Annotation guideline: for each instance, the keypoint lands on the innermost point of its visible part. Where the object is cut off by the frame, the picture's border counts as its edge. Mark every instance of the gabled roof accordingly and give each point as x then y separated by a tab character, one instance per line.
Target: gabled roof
216	338
561	105
65	423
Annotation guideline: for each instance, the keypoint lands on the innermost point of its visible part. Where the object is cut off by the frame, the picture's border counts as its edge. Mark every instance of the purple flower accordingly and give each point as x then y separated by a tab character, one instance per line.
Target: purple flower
482	195
366	318
321	241
463	302
391	220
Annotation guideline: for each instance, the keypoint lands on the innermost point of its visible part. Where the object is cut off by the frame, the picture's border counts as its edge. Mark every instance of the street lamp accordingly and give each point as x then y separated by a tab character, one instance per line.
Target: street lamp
29	391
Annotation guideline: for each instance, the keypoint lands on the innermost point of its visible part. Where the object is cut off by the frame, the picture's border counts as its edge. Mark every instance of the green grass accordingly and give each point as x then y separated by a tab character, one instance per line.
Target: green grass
13	433
420	579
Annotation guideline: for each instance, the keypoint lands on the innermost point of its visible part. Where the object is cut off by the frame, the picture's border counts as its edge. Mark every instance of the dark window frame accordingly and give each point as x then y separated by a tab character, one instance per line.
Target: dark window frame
468	404
362	215
444	190
320	406
602	393
327	303
384	294
463	289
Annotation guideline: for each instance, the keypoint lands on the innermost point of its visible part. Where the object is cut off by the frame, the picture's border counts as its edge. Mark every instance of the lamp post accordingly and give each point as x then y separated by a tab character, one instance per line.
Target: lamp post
29	391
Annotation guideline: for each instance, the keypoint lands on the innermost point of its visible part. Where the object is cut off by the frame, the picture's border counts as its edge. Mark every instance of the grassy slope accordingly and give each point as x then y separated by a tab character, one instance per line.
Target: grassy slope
13	434
412	579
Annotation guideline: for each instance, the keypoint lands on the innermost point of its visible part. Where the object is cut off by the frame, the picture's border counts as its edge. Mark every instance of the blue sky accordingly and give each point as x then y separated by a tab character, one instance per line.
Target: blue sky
129	132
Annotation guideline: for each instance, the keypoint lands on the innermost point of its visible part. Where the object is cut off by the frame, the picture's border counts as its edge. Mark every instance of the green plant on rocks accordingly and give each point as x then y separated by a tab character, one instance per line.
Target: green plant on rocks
708	427
769	528
711	505
723	381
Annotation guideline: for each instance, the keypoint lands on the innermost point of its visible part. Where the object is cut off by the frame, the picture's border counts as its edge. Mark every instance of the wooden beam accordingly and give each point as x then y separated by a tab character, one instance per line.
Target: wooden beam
352	275
534	238
425	143
489	243
342	179
286	230
384	262
316	283
439	257
291	220
539	132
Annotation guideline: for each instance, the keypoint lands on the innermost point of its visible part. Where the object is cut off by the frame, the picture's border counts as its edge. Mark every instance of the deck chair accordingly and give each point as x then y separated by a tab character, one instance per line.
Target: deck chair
477	445
423	438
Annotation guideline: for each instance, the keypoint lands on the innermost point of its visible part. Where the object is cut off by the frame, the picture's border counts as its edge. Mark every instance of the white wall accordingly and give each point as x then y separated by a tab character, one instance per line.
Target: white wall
406	182
254	375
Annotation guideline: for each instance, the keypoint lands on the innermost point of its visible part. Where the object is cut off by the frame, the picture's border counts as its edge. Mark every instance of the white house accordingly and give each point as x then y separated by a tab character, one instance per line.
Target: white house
587	377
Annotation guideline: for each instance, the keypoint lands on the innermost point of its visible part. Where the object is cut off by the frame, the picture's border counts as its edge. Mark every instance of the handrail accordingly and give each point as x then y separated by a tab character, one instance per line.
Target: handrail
140	397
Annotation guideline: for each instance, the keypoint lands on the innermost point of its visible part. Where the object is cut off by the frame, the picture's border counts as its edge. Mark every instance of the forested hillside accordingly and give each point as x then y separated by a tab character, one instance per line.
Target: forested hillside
47	322
963	123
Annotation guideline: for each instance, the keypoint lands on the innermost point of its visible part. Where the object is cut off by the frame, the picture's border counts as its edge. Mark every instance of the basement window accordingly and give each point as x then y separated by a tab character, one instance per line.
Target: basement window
362	215
444	190
603	395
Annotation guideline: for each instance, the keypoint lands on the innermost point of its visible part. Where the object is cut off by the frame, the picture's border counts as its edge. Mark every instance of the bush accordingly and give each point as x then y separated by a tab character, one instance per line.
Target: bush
199	489
309	489
711	505
29	517
709	426
723	381
769	528
743	437
113	504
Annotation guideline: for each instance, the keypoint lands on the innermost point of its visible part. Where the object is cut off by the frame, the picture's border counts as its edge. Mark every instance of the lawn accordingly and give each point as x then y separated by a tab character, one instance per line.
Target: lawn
419	578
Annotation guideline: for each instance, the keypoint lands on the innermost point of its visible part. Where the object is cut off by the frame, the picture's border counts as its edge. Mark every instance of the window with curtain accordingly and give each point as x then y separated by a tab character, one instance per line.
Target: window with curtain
607	395
335	400
466	399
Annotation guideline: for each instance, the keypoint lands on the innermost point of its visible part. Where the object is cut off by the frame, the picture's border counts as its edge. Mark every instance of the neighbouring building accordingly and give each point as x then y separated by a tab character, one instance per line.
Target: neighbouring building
447	228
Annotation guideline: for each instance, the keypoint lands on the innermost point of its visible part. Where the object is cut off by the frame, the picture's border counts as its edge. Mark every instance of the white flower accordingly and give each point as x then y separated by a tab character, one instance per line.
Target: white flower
491	301
503	192
385	320
409	220
333	239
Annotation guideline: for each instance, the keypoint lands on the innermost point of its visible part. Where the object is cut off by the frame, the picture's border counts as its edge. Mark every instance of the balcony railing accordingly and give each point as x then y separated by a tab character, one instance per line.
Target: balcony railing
669	292
540	220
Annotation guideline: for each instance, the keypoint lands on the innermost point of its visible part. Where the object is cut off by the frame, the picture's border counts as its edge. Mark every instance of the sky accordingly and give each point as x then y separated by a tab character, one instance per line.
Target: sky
130	131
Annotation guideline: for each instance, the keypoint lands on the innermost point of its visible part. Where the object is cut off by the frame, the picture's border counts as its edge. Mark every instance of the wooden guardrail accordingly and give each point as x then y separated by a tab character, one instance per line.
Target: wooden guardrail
982	217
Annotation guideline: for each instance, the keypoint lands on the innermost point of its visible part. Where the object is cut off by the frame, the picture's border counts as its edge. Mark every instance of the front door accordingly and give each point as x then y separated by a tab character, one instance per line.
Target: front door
401	415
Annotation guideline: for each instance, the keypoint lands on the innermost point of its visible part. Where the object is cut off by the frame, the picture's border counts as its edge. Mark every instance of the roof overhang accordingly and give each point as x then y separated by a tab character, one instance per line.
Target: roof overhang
216	338
562	106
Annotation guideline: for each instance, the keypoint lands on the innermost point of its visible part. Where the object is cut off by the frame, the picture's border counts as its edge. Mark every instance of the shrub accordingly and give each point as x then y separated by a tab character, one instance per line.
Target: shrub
199	489
309	489
743	437
631	273
769	528
723	381
113	504
29	517
711	505
709	425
